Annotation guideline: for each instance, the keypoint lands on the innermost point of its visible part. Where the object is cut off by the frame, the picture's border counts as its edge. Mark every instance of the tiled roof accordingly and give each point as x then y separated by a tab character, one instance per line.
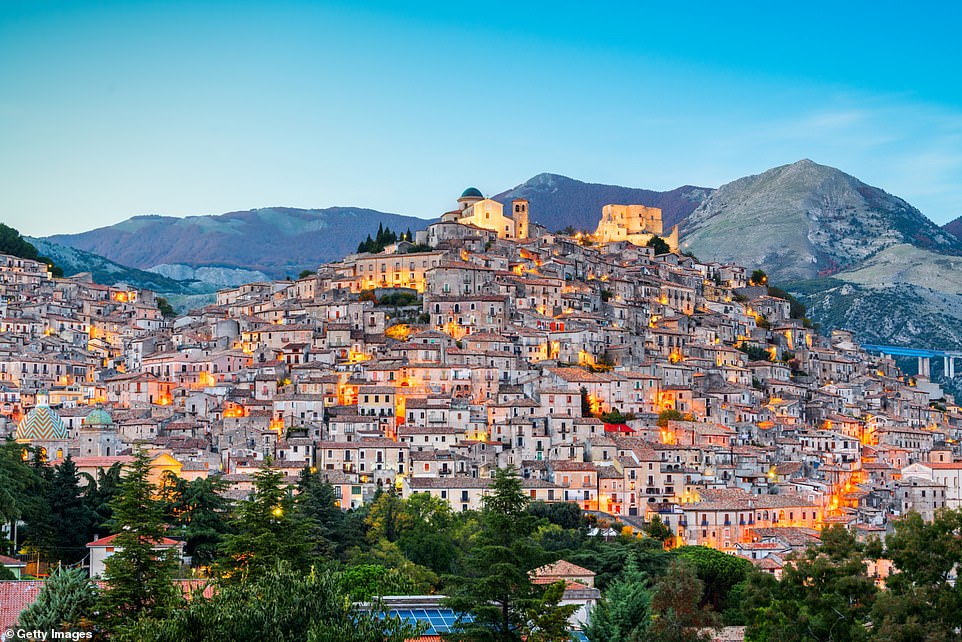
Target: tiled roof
15	596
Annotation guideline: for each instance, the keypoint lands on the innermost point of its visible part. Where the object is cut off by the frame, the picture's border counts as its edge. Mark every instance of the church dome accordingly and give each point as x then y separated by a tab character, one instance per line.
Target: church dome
472	192
41	424
98	419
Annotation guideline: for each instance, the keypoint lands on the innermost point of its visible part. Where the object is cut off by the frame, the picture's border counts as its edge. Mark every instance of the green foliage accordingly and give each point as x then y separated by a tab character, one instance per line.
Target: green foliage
615	416
15	245
659	245
567	515
606	295
624	611
657	530
758	277
303	274
365	582
63	503
398	299
281	604
383	238
198	511
922	601
166	309
718	571
331	529
495	587
585	403
755	353
67	601
138	578
677	612
21	485
547	619
670	414
367	295
824	594
267	530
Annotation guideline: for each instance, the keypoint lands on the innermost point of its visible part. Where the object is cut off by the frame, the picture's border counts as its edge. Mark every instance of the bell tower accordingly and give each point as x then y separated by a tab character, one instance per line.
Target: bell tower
519	212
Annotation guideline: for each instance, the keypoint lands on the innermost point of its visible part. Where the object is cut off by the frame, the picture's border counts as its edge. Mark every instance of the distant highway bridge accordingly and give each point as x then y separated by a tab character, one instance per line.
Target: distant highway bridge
924	357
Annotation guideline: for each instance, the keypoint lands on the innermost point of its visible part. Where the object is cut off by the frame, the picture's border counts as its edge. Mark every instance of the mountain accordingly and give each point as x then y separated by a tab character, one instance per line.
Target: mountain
73	261
558	201
804	221
277	241
860	258
954	227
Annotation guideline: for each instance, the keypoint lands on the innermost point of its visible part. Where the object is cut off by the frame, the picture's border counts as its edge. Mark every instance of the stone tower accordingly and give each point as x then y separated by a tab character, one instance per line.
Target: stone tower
519	212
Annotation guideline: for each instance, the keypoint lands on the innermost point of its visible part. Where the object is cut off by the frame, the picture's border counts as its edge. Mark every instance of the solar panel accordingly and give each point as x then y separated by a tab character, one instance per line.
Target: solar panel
439	621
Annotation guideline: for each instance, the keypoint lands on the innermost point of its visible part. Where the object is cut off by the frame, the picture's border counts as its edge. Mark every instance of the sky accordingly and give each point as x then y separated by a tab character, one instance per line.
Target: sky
113	109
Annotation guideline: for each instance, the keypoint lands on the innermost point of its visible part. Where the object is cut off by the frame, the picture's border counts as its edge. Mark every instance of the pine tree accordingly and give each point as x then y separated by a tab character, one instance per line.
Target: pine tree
496	589
199	510
138	577
316	504
267	529
623	614
65	505
66	601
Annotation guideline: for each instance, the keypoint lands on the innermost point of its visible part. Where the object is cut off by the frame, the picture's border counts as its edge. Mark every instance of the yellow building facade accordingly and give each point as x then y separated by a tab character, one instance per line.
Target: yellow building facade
636	224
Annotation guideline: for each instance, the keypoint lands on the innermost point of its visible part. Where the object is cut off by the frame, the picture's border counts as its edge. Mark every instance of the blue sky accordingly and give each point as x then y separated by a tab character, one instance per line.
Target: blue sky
113	109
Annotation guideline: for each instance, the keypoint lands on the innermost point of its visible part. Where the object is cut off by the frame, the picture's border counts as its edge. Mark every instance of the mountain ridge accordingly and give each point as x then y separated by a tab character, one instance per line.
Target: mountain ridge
279	241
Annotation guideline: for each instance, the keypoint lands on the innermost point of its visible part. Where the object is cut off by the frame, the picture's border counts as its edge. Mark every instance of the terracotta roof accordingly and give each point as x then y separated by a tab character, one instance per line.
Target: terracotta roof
107	541
562	568
15	596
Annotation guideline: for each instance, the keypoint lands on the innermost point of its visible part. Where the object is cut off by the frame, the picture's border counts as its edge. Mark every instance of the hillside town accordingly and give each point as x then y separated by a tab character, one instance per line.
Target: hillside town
608	367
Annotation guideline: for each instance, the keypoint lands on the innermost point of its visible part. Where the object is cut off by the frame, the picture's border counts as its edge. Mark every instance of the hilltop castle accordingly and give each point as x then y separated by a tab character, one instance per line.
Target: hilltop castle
636	224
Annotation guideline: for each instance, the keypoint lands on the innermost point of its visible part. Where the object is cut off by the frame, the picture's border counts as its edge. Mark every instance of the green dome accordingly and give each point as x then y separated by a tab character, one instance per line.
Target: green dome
41	424
472	192
98	418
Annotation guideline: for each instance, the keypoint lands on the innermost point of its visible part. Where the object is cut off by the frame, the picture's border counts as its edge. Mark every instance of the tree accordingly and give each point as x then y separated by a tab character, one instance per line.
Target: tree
921	600
138	577
64	504
329	526
677	612
567	515
669	414
426	537
200	512
99	495
267	529
547	618
718	571
281	604
824	594
585	403
305	273
624	612
758	277
165	308
656	529
659	245
21	485
66	601
496	589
